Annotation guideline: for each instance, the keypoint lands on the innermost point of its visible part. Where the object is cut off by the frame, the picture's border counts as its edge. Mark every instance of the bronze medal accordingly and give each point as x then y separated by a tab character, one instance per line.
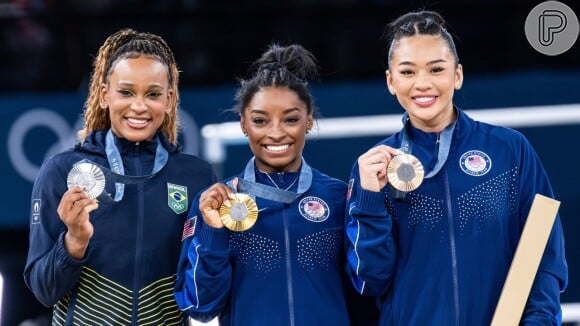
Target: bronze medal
241	215
89	176
405	172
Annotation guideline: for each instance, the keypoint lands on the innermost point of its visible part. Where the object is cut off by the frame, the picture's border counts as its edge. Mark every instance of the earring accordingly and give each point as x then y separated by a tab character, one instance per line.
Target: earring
245	134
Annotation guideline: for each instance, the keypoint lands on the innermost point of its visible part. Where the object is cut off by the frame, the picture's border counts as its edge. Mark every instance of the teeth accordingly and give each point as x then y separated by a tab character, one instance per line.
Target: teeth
277	148
136	121
424	99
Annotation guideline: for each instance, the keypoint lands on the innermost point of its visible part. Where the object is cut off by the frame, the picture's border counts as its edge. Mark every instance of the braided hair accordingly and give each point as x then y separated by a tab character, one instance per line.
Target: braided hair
128	43
289	66
418	23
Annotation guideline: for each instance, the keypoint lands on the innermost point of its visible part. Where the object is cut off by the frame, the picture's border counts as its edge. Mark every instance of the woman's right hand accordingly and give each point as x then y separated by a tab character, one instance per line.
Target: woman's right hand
372	167
212	199
73	210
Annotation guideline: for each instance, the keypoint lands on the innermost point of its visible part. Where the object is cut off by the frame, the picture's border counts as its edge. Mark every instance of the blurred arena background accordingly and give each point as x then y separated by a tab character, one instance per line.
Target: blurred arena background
47	46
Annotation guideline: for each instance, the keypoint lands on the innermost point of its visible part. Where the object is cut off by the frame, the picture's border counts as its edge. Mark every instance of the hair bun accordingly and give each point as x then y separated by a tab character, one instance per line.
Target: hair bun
294	58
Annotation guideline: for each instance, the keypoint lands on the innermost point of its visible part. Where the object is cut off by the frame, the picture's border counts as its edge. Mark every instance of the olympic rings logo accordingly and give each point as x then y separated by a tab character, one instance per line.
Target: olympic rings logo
66	137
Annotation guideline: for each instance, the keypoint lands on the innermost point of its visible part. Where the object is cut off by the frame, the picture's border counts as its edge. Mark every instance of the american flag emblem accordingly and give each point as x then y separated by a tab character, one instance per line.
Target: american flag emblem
475	162
349	190
188	228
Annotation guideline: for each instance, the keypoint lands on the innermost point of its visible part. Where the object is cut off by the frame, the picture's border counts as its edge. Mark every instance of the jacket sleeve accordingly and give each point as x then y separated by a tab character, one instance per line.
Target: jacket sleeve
371	249
543	305
49	271
204	272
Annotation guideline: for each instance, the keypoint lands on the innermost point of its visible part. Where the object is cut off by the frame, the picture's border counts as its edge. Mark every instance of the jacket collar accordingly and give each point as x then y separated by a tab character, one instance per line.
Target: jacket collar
95	143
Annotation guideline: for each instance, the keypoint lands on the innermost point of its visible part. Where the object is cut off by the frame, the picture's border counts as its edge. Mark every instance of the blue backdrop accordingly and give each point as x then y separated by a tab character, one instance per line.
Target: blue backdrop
34	126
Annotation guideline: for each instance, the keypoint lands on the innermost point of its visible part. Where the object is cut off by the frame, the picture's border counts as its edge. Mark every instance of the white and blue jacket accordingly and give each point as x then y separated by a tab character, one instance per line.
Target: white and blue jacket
440	254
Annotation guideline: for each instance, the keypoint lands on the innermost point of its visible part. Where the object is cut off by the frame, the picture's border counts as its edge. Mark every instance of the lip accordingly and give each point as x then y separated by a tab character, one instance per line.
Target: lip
424	100
276	148
137	123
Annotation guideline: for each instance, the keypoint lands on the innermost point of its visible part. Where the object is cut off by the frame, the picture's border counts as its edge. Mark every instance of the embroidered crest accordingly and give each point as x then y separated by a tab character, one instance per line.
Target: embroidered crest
35	212
314	209
475	163
177	198
189	228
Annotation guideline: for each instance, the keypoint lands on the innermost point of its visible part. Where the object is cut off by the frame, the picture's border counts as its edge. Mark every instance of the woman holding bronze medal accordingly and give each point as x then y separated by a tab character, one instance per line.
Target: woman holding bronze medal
268	245
108	214
435	211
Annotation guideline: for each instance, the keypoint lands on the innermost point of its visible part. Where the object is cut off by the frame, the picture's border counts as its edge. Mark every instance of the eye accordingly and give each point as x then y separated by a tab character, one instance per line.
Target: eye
292	120
406	72
437	69
259	121
155	94
125	92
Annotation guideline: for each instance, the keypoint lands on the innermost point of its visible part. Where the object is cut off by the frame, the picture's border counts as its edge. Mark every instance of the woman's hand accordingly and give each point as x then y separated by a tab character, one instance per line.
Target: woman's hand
372	167
73	210
212	199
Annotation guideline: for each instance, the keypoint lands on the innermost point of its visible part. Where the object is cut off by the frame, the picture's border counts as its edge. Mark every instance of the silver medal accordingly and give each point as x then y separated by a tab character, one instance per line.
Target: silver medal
88	176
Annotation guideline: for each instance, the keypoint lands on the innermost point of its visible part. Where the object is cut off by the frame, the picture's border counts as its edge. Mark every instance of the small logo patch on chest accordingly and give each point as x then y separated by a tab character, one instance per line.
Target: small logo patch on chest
177	198
475	163
314	209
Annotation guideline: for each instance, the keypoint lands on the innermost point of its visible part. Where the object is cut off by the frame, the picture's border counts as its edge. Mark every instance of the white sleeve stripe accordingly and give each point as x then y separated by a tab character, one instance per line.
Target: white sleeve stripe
194	275
356	249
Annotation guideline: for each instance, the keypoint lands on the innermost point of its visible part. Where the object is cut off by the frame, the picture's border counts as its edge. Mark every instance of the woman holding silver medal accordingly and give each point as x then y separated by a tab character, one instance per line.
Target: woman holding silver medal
436	210
268	246
108	215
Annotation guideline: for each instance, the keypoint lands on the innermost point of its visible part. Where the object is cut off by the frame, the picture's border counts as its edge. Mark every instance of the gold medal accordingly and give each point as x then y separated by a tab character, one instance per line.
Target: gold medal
89	176
405	172
241	215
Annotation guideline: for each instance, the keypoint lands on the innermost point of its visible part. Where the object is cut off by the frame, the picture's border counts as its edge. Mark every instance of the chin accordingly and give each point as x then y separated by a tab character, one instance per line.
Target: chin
138	137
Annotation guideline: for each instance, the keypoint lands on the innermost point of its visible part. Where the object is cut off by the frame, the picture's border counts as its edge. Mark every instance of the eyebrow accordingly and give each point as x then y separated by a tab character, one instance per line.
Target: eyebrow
286	111
409	63
130	84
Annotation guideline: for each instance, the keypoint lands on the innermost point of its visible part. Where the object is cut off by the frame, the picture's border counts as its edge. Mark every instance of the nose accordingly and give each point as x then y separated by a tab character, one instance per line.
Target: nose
423	81
138	105
276	132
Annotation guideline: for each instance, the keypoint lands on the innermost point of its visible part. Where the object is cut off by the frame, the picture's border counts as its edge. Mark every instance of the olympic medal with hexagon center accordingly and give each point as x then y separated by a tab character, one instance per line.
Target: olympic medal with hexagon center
242	214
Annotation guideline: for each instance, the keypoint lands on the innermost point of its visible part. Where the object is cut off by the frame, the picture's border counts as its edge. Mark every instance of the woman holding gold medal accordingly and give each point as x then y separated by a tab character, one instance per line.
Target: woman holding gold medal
268	245
108	215
435	211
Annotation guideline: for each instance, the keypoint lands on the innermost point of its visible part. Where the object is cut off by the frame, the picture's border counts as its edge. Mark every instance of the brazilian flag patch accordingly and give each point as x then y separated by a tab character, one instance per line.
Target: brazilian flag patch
177	198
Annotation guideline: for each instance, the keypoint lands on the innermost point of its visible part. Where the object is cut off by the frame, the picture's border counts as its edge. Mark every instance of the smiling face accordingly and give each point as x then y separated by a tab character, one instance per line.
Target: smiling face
136	94
423	75
276	122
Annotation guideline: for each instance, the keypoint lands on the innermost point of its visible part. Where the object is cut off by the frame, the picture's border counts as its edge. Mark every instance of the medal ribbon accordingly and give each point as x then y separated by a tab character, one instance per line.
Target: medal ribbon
117	172
444	145
248	184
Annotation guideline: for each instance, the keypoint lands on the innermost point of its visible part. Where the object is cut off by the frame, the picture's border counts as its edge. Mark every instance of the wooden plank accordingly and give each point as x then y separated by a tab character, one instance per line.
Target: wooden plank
526	260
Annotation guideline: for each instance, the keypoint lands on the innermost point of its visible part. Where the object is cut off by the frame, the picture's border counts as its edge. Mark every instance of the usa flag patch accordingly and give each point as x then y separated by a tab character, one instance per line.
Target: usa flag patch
189	228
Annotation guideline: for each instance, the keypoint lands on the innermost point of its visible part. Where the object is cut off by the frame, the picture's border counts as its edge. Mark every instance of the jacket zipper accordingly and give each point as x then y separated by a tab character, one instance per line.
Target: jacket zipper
139	237
288	253
453	246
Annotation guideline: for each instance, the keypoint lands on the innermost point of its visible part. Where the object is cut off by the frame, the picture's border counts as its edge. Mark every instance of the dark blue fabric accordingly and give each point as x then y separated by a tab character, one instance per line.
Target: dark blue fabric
285	270
136	241
440	255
